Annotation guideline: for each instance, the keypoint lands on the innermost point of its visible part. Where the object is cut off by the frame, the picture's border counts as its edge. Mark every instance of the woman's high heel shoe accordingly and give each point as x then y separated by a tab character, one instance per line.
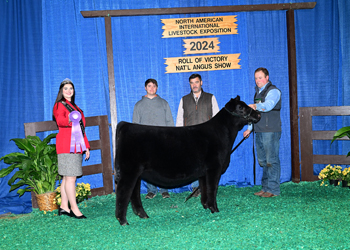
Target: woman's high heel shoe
77	217
63	212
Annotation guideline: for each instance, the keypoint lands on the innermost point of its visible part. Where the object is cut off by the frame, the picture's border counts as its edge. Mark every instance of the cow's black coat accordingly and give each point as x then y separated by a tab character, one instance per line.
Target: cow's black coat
171	157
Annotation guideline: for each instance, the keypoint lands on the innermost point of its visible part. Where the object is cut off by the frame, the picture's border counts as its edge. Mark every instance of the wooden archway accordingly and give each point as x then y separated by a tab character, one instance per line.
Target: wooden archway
292	66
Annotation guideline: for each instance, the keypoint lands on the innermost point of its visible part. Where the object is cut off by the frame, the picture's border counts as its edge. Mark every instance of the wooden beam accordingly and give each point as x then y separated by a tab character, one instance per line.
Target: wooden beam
331	159
307	166
111	81
198	10
330	110
293	96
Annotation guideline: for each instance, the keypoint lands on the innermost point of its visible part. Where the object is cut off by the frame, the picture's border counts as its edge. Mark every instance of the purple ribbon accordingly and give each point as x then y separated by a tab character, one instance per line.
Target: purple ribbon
77	138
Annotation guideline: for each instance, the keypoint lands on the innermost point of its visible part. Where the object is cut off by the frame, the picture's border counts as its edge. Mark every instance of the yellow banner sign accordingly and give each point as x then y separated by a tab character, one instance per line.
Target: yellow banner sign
201	46
199	26
202	63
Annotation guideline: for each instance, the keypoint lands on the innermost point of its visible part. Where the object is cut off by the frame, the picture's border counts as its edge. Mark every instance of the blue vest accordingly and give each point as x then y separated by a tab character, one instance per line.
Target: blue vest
270	121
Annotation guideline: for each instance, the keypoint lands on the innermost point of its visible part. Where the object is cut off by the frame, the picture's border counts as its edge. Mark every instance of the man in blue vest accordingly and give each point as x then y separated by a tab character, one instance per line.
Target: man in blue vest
195	108
267	100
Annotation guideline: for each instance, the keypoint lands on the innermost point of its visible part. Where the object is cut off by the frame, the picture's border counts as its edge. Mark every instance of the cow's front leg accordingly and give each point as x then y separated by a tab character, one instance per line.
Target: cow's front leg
136	201
203	187
213	179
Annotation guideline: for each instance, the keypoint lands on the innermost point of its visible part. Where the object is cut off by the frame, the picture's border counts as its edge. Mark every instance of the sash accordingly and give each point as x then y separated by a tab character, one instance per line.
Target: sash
70	109
78	129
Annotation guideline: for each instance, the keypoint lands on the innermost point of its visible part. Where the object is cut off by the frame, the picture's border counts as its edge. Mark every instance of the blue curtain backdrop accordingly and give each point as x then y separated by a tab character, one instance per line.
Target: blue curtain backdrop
48	41
21	79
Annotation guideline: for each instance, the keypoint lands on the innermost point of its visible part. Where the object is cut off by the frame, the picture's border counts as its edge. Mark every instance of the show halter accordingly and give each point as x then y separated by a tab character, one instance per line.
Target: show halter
243	116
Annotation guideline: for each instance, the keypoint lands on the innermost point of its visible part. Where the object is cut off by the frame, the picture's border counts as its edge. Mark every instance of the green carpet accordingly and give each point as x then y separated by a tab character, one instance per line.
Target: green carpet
304	216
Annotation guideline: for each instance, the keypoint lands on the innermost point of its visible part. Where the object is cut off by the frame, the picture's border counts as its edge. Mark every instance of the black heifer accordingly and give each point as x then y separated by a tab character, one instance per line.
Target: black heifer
172	157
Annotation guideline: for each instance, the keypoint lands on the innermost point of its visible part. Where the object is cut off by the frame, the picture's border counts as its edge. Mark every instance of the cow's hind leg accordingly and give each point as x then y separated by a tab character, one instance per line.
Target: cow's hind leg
124	190
136	203
204	195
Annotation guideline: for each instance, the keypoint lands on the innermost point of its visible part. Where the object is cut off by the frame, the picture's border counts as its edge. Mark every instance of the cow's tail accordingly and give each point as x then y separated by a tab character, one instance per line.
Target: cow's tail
116	164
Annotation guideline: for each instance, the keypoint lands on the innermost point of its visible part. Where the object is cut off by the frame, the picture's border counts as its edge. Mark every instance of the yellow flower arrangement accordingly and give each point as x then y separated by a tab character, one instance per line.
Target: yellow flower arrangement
82	191
330	173
346	174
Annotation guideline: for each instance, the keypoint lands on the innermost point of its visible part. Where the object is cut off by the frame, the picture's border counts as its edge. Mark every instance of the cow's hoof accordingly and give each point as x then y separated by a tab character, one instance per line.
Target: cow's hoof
123	222
143	216
214	210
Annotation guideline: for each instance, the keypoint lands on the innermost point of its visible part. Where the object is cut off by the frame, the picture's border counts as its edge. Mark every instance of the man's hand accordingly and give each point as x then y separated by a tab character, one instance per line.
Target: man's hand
246	133
253	106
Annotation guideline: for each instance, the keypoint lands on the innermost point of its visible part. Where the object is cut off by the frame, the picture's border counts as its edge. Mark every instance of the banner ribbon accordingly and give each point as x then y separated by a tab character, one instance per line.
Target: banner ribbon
77	138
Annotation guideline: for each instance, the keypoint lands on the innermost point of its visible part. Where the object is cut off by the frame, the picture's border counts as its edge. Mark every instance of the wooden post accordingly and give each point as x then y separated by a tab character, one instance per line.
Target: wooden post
293	96
111	81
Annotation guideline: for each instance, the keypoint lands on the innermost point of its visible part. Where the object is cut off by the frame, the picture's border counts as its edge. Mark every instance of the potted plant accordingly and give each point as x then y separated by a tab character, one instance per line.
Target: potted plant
345	131
37	169
345	177
82	191
332	174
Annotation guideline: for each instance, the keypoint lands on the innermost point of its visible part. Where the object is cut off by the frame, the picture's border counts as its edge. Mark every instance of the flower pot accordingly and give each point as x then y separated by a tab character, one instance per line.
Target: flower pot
333	182
344	184
45	201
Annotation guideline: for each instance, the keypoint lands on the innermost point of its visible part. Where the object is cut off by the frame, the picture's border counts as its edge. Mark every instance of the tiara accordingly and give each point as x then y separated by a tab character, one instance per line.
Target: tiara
66	80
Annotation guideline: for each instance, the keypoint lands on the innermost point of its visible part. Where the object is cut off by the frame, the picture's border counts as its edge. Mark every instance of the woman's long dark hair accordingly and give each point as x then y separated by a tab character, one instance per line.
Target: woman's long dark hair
60	96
